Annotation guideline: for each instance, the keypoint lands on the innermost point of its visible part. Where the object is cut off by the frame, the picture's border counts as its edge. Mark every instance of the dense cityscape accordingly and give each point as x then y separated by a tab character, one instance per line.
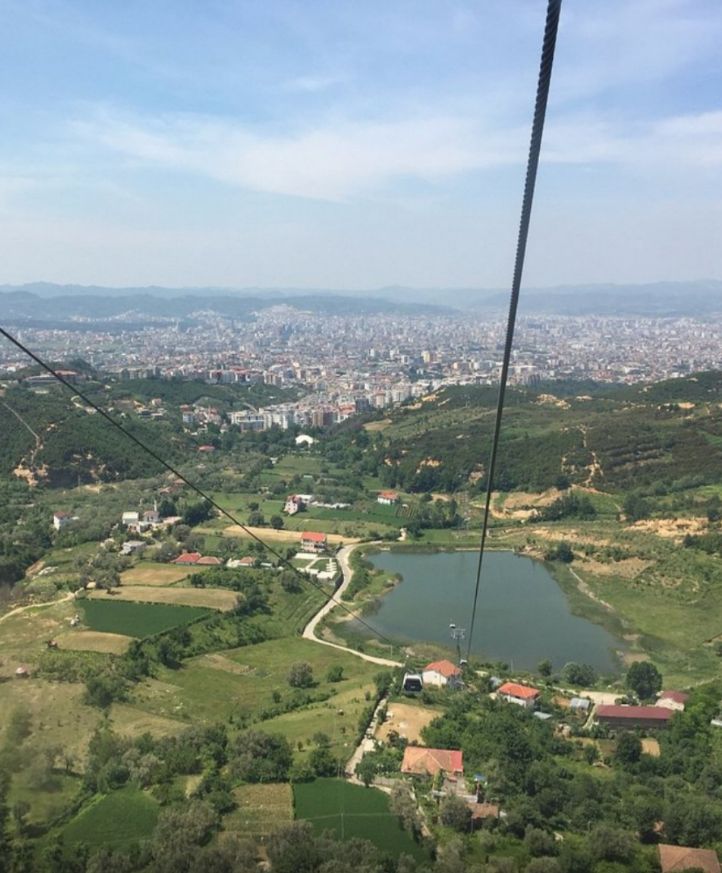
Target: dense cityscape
340	365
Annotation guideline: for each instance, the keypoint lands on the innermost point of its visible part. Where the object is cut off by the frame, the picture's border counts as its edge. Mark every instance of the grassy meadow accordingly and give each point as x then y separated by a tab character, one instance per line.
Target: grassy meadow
137	619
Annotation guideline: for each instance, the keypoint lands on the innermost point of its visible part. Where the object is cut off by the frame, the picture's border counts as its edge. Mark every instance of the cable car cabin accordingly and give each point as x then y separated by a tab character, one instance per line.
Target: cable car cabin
412	684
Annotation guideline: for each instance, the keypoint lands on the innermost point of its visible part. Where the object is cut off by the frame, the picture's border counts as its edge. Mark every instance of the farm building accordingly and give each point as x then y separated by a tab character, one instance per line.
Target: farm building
441	673
209	561
235	563
675	700
633	716
419	761
580	705
129	518
132	547
387	498
313	541
522	695
22	672
677	858
481	812
188	558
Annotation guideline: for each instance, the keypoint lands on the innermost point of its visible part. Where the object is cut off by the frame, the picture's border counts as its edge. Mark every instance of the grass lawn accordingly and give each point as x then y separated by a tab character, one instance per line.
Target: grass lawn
260	809
137	619
118	819
243	681
93	641
129	721
48	801
353	811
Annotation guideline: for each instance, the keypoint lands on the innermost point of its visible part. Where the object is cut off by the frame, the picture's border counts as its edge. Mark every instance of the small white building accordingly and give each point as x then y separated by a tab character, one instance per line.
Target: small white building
129	518
132	547
387	498
61	519
522	695
675	700
303	439
441	674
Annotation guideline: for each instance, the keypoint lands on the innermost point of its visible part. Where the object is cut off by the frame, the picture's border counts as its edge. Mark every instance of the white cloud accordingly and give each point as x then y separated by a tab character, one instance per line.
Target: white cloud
337	161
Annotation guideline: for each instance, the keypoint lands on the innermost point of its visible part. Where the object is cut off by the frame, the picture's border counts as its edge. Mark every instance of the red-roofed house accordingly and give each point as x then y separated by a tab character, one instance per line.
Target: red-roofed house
208	561
187	558
441	673
633	716
673	700
387	498
522	695
419	761
677	858
313	541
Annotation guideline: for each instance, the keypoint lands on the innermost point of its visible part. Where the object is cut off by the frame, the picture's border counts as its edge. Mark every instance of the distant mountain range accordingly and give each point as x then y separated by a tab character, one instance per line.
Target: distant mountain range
48	304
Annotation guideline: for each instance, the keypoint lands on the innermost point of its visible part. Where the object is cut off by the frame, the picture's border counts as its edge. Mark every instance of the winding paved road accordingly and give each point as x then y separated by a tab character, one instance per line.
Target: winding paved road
309	632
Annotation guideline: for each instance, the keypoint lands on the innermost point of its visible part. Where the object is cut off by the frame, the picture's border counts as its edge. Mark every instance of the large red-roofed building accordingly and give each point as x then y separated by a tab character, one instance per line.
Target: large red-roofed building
633	716
314	541
679	858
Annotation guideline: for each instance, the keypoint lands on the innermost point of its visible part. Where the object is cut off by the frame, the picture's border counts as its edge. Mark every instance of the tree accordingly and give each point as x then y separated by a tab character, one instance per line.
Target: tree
561	552
545	667
403	807
300	675
644	679
276	522
256	519
629	748
579	674
539	842
455	813
292	849
366	770
195	513
261	757
636	508
334	673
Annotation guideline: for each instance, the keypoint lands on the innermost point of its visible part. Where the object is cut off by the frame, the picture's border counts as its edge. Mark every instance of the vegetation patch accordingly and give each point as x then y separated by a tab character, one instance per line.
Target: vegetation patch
137	619
148	573
93	641
353	811
118	819
260	809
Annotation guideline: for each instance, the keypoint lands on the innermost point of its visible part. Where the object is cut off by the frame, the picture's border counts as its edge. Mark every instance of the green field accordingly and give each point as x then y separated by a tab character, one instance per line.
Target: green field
137	619
116	819
353	811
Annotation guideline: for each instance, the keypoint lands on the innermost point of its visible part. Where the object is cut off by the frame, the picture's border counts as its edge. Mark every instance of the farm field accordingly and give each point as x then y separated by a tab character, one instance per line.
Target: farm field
149	573
270	535
47	801
129	721
137	619
117	819
260	809
93	641
353	811
213	598
207	688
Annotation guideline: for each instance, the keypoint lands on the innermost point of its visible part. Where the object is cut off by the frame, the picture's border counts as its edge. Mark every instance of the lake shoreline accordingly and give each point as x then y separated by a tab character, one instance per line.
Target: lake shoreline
577	605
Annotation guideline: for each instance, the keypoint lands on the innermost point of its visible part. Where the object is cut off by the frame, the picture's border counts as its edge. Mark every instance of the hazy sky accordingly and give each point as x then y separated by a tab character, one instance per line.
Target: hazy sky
356	144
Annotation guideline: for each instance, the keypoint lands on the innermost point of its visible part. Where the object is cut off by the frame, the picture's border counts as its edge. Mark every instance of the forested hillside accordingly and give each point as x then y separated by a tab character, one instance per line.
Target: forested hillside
667	435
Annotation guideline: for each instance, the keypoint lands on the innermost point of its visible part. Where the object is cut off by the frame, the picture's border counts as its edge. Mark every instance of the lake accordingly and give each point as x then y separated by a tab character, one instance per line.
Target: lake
522	615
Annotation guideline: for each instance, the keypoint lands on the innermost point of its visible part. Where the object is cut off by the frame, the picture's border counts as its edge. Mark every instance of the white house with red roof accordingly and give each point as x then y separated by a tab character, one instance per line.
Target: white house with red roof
441	674
313	541
522	695
61	519
387	498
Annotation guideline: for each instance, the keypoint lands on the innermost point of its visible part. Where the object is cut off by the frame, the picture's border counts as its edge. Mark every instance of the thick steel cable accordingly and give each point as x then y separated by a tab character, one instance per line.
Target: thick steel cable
199	491
542	94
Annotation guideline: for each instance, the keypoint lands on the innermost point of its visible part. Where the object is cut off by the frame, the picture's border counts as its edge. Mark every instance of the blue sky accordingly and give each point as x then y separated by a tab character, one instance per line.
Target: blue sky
356	144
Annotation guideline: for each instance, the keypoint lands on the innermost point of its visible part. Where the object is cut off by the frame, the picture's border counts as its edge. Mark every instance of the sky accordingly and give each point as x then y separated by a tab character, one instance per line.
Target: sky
356	145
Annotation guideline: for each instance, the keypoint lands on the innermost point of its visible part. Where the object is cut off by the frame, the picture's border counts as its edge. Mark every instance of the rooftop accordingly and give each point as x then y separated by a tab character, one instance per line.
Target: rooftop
513	689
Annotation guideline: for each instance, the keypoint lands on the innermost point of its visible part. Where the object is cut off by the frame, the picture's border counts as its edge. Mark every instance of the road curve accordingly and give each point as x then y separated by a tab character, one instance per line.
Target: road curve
309	632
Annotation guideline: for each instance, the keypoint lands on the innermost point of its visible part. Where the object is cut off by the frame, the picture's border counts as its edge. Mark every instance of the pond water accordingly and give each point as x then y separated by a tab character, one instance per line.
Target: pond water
522	616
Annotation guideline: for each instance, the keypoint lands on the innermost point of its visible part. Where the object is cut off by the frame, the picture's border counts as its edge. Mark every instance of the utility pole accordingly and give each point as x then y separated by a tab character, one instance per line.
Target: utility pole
458	634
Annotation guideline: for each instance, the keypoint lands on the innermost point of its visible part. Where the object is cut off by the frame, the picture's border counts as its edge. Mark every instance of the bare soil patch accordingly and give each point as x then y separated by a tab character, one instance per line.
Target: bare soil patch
407	720
269	535
628	568
650	746
214	598
671	528
154	574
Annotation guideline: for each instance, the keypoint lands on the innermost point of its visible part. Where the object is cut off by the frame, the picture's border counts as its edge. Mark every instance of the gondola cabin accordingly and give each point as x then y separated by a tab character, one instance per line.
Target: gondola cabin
412	684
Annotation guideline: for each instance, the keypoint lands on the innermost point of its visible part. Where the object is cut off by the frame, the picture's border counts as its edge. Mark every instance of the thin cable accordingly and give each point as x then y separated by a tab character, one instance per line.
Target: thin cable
191	485
542	94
